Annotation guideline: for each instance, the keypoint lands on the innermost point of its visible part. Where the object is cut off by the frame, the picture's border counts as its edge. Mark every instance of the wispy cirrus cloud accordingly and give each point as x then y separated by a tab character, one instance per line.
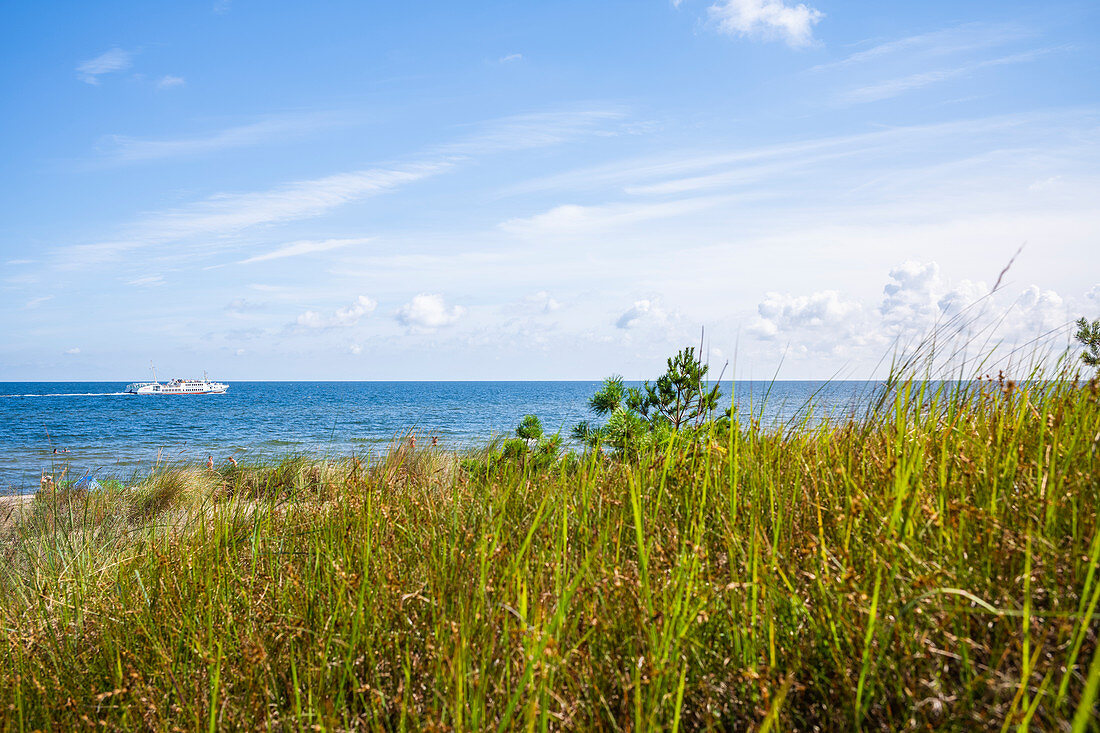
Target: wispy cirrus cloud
115	59
571	218
900	85
304	247
675	173
276	128
168	81
226	214
534	130
944	42
147	281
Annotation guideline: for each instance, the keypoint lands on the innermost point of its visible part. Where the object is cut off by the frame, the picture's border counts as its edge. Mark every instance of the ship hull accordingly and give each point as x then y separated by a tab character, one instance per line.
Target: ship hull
177	388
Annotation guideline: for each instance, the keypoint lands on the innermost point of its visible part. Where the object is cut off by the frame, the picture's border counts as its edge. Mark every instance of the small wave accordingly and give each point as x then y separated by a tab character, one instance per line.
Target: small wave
69	394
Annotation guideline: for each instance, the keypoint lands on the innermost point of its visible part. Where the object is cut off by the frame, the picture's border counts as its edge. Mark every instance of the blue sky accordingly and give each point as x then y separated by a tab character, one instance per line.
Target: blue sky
552	190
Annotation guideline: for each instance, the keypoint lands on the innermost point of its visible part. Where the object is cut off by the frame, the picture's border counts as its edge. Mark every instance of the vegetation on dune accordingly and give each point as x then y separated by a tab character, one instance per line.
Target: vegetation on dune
679	403
1088	335
931	565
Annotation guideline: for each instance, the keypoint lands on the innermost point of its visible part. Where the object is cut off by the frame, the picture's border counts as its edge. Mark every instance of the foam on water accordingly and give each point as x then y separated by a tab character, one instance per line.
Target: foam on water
70	394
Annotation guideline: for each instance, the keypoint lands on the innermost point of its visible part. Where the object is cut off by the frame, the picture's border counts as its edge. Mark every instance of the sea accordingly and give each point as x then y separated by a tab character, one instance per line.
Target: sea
97	429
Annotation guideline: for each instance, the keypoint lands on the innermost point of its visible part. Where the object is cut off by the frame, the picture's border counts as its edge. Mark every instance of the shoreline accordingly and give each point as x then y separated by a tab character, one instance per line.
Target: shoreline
11	507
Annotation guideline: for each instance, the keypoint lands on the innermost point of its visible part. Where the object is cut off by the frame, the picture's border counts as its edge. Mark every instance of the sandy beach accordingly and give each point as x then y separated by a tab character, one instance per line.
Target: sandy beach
11	506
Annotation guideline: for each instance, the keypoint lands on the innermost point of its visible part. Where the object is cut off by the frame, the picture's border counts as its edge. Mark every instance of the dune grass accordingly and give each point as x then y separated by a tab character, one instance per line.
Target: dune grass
930	565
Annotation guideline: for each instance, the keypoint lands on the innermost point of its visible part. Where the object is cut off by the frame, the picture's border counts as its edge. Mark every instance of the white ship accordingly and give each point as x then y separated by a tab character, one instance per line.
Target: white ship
177	386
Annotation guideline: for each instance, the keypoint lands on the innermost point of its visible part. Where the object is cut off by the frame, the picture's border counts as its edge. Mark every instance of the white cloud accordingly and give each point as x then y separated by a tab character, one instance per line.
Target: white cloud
304	247
947	41
239	352
73	351
511	57
225	214
349	315
767	19
244	309
1094	293
785	313
571	218
526	131
427	312
229	212
1036	312
880	149
125	149
961	297
643	312
168	81
147	281
965	319
1045	183
911	297
35	302
543	301
895	87
114	60
355	349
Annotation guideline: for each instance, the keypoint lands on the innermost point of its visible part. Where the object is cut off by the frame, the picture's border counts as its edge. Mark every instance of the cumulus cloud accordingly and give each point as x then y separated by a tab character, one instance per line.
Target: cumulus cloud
428	312
643	312
1094	293
244	309
911	297
1038	312
767	19
783	312
73	351
114	60
349	315
917	301
543	301
962	296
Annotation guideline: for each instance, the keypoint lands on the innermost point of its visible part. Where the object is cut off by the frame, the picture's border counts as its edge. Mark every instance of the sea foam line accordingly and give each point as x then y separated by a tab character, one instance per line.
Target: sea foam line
69	394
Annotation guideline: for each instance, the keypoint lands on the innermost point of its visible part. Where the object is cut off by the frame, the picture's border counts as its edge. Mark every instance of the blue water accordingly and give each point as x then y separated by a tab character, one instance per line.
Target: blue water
115	435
